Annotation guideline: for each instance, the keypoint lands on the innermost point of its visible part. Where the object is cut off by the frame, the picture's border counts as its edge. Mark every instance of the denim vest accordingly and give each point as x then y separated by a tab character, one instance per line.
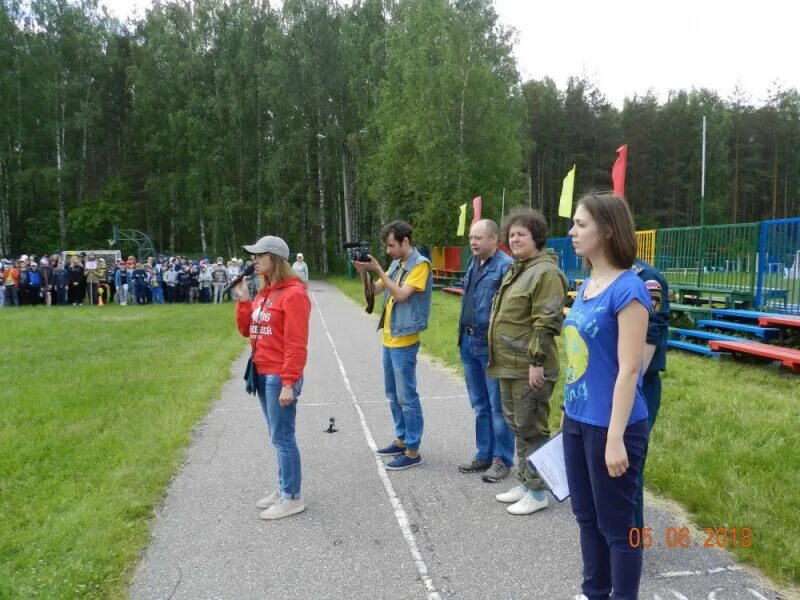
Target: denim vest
412	315
486	287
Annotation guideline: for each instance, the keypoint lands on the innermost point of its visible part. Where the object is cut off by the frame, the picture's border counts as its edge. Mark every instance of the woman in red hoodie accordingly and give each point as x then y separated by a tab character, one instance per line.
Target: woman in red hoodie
277	323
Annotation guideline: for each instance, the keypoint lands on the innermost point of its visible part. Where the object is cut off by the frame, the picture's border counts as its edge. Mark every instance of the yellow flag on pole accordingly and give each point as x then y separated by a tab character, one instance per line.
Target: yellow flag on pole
567	188
462	219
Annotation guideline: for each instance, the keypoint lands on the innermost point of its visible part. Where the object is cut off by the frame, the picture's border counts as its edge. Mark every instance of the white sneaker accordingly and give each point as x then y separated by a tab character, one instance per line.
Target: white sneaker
515	494
268	501
529	503
580	597
283	508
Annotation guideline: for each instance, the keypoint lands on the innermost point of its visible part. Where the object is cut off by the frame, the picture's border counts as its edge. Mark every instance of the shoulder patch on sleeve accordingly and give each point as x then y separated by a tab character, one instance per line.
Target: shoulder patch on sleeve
655	290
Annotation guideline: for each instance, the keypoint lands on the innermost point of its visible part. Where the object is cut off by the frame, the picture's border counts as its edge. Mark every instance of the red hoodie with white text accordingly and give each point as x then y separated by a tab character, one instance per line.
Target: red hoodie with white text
277	324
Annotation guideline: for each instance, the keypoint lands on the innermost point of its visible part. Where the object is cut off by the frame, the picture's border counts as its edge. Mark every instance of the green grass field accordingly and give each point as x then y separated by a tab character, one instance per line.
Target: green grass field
725	445
98	406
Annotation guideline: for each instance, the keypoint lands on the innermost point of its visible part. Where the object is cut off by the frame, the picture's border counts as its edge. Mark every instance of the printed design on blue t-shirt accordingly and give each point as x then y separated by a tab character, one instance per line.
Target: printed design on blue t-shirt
577	354
590	335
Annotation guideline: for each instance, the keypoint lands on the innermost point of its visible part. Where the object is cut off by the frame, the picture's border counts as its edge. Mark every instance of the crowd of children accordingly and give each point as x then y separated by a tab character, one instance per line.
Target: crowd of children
64	279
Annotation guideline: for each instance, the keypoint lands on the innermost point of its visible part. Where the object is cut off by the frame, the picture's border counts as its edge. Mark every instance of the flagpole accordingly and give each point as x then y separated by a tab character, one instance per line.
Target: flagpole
700	267
703	178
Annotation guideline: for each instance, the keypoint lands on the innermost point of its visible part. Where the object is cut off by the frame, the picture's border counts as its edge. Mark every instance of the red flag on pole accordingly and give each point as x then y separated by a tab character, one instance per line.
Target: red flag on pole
476	210
618	171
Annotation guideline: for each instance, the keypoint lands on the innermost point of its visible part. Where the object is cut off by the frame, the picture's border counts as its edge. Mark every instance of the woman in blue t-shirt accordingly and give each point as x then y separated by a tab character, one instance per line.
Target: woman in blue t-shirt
605	422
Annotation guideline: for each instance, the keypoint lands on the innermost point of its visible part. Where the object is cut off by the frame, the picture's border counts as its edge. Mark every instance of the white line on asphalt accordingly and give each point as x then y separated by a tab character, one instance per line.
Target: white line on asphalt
399	511
712	595
756	594
678	595
713	571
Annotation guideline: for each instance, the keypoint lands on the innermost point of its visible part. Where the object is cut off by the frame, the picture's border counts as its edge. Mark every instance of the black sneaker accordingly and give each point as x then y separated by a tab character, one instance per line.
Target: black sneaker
474	466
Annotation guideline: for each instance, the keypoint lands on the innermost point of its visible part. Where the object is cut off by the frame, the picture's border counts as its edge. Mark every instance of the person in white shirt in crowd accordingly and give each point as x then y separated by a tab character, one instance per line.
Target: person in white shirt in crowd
205	284
301	268
219	279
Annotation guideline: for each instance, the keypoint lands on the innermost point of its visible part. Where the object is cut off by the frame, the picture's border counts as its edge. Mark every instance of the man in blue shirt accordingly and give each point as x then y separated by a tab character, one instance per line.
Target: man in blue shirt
493	438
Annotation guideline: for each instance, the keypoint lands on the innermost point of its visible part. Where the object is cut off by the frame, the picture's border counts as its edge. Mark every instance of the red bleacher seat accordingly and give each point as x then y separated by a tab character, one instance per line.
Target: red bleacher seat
453	290
781	321
789	357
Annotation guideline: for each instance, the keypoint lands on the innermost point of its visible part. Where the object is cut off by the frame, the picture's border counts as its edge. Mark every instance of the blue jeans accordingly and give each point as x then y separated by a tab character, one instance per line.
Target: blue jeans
604	508
280	424
400	381
493	437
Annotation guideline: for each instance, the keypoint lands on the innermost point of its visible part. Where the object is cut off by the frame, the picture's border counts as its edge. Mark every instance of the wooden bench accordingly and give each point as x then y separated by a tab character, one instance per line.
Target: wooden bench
690	310
443	278
708	295
704	335
454	290
770	320
764	333
696	348
789	357
733	313
775	294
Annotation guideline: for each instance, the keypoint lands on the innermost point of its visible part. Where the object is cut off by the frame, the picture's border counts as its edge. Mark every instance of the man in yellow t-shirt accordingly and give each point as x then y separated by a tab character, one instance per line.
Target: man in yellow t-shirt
406	308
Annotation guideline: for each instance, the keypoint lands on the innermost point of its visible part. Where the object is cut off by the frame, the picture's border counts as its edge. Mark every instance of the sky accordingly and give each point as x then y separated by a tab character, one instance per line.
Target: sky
628	47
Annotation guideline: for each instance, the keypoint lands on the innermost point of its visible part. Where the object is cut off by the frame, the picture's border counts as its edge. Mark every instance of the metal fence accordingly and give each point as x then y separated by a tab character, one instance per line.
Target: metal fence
719	256
778	285
758	259
570	263
646	245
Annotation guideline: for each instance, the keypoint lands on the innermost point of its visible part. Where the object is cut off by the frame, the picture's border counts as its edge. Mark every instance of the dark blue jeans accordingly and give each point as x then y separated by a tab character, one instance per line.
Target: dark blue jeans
651	389
604	507
493	437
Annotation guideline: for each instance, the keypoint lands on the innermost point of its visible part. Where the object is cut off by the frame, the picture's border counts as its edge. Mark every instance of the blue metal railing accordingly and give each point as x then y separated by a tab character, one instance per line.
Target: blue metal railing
778	280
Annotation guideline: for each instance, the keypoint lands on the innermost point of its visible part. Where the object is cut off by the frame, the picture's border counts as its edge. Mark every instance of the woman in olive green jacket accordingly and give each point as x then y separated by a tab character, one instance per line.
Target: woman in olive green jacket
527	314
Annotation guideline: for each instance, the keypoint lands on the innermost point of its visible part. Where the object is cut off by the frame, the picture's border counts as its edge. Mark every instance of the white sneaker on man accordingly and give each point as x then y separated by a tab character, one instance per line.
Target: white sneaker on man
284	507
515	494
268	501
532	501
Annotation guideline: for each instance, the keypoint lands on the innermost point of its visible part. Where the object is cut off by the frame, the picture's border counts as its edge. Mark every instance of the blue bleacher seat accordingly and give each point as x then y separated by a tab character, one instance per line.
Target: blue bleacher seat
761	332
706	335
697	348
740	314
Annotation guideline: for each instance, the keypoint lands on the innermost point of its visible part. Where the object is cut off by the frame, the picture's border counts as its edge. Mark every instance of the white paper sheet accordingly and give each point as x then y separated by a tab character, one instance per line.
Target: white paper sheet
548	461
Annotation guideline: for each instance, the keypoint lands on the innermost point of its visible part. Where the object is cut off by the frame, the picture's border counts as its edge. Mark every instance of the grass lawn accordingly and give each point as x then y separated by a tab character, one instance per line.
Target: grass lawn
98	406
726	444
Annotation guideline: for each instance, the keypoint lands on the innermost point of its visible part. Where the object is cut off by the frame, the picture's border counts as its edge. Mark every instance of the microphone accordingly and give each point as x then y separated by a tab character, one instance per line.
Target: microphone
246	272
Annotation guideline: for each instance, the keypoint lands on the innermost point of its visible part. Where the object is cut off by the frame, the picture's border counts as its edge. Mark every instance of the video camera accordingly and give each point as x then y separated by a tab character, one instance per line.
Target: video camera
359	251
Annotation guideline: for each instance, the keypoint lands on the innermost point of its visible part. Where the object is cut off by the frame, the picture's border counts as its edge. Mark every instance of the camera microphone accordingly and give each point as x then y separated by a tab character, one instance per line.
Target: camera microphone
246	272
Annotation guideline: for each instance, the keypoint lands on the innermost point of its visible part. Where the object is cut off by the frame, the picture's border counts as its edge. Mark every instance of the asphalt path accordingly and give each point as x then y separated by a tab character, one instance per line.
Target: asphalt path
428	532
